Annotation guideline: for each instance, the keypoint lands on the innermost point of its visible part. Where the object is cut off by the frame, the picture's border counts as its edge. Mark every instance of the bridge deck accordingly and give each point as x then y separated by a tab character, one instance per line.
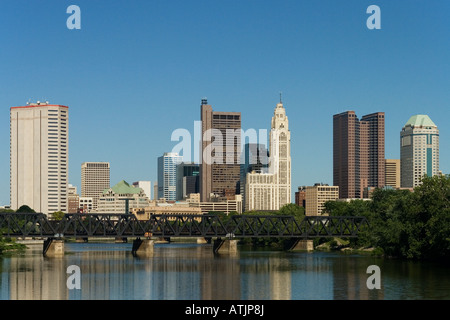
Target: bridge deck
122	225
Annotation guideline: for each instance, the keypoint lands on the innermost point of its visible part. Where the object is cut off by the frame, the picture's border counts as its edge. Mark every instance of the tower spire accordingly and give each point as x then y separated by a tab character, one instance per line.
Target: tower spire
280	97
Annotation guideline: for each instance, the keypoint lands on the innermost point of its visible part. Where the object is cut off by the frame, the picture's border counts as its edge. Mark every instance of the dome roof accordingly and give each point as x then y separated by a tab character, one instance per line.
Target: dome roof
420	120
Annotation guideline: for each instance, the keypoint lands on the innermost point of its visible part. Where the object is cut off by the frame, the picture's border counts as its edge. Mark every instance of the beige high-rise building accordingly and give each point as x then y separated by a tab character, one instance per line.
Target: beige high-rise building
419	151
95	178
392	168
317	195
39	149
272	190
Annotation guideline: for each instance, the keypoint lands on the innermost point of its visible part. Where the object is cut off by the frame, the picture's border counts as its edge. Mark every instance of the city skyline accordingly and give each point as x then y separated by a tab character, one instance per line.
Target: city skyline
323	62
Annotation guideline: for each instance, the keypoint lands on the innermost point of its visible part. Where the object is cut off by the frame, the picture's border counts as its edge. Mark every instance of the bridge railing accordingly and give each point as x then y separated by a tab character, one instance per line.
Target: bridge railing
123	225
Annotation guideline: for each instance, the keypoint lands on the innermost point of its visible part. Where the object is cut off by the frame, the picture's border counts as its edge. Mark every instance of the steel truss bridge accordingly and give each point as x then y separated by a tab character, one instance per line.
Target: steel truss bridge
207	226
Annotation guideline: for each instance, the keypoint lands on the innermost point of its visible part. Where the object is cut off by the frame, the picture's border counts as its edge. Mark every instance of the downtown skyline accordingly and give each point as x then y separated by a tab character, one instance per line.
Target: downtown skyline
127	100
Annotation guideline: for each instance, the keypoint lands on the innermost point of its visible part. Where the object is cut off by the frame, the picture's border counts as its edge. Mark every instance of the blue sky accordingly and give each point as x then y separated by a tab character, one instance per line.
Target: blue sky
137	70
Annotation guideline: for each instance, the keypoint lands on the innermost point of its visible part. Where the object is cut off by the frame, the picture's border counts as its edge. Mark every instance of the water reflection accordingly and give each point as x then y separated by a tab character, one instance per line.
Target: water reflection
191	271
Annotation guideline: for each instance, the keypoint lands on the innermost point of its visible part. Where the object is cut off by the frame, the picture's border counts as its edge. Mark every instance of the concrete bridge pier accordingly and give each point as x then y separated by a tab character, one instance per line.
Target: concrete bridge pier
297	244
143	248
53	247
226	246
201	240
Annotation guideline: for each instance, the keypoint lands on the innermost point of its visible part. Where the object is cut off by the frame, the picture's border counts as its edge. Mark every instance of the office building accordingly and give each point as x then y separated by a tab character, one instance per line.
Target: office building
146	186
86	205
254	158
272	190
419	151
226	206
73	199
174	209
317	195
95	178
220	153
188	181
155	191
167	175
392	176
300	197
39	153
121	199
358	153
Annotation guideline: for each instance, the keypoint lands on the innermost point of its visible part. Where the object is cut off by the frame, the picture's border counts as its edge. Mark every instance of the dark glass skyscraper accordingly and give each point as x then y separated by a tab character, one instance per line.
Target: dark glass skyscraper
187	179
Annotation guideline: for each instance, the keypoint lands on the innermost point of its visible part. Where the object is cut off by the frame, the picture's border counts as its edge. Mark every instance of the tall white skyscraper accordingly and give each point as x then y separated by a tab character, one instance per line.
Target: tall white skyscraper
419	151
95	178
280	155
39	149
272	190
167	175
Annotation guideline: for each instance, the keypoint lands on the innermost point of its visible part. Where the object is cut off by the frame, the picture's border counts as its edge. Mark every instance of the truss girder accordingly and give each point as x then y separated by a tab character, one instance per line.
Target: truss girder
123	225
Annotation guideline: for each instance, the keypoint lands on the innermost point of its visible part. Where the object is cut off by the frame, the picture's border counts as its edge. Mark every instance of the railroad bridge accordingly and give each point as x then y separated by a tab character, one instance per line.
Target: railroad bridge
225	230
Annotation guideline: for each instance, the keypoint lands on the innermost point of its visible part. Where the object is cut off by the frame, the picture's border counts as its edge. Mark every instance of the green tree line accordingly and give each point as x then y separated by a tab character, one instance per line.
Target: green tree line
405	224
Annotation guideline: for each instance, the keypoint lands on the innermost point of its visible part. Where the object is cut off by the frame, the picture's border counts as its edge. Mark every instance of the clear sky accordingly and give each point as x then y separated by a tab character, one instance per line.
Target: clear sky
137	70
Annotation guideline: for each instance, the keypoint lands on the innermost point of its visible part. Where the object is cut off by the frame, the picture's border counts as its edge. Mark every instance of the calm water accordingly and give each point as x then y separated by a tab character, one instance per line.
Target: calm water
191	271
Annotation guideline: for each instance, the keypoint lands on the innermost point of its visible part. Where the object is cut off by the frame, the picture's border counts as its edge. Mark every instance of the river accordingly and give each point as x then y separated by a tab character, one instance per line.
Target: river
179	271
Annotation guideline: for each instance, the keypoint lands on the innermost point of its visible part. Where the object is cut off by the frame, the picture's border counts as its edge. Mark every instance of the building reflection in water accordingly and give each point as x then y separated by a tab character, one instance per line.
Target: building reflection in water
350	276
173	272
34	277
188	271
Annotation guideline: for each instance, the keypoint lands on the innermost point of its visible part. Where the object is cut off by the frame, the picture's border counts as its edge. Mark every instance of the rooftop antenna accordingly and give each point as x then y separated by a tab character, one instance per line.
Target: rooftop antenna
280	97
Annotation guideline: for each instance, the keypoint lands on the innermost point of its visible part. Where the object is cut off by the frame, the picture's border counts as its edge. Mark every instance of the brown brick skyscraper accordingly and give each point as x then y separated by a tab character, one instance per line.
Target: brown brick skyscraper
219	179
358	153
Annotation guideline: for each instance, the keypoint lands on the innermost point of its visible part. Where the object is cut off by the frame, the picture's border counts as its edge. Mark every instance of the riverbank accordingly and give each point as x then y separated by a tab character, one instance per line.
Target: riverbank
337	244
10	246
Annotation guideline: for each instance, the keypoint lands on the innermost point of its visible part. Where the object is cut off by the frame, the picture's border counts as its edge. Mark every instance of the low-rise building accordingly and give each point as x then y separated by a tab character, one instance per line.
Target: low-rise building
225	205
168	209
122	198
317	195
86	205
73	199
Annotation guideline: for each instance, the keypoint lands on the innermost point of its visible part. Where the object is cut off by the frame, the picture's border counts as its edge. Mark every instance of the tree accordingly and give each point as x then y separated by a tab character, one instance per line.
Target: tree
58	215
412	225
25	209
292	209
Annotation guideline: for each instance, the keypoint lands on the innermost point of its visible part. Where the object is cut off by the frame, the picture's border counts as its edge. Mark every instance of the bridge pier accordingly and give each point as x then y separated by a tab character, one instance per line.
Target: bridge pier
143	248
225	246
297	244
201	240
53	247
